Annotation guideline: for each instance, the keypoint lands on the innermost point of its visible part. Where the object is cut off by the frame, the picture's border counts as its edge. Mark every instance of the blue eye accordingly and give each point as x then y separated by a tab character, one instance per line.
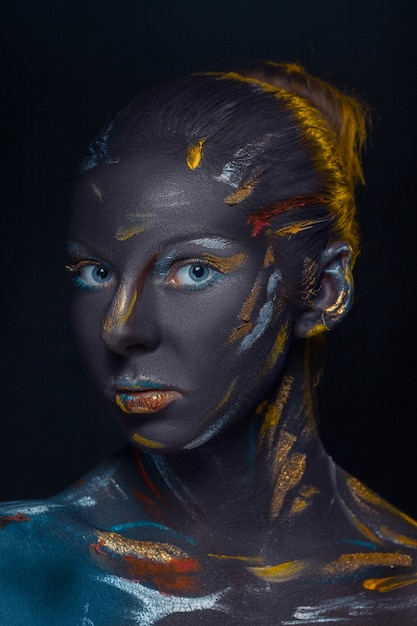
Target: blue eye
94	275
195	276
91	276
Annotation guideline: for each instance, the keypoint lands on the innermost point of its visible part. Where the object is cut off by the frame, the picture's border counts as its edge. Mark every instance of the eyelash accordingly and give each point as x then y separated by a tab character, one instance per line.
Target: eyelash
177	266
76	274
165	271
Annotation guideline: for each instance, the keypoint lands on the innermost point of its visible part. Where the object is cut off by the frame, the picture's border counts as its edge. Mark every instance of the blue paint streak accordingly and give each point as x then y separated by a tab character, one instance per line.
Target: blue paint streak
143	524
365	544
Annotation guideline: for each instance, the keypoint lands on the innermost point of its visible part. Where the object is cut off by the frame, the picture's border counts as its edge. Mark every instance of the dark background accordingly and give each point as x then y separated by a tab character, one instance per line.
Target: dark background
67	68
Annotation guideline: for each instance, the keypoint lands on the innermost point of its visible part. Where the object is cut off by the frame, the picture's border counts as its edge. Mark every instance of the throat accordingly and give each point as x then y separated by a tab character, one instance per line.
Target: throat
260	473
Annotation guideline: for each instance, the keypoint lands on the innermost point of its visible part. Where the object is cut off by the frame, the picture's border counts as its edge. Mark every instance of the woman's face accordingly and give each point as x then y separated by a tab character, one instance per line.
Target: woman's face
178	313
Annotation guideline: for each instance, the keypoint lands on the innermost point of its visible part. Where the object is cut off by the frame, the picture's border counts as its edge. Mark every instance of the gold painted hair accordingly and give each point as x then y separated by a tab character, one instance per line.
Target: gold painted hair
334	125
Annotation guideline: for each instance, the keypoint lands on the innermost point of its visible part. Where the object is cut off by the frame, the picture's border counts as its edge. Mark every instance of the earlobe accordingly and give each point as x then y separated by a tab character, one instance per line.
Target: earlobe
334	295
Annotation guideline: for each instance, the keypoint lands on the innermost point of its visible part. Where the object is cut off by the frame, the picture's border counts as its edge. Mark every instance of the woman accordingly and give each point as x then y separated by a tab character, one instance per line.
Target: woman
212	243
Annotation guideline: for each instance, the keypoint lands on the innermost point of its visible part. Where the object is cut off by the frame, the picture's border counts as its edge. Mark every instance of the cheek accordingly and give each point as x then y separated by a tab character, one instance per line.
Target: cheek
86	320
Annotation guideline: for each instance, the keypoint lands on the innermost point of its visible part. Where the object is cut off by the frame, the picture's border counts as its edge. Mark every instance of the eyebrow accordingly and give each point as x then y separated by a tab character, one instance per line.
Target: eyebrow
77	248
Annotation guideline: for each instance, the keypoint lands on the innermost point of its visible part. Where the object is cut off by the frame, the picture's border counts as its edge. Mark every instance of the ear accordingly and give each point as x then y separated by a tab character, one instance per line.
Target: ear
334	294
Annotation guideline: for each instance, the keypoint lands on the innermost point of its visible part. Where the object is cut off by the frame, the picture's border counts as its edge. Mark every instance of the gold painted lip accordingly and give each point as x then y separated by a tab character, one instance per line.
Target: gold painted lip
145	402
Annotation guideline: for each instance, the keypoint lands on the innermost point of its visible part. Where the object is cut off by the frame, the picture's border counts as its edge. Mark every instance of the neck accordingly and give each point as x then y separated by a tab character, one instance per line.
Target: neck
266	467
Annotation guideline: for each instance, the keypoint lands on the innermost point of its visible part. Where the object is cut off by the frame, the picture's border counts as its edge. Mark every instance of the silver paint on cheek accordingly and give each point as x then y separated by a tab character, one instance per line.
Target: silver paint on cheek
214	428
264	315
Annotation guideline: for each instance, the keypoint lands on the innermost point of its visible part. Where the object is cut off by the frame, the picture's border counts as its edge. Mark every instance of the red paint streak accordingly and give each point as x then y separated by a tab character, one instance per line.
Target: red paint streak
7	519
263	217
174	577
151	507
148	482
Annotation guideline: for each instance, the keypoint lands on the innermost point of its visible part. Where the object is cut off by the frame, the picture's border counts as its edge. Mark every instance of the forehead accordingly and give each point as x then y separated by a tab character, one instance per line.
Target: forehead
149	192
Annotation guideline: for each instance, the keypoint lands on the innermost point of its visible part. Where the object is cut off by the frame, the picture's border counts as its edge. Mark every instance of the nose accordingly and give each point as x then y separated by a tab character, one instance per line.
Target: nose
131	322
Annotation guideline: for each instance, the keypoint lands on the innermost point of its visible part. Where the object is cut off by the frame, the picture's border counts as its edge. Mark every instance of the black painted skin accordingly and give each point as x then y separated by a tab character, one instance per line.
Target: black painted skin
224	508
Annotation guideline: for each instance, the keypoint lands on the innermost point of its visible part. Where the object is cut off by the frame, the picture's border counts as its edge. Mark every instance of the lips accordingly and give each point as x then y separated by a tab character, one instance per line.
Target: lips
144	397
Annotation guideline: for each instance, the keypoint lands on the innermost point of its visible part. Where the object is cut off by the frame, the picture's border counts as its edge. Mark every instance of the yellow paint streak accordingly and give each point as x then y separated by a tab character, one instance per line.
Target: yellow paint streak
391	583
243	192
195	154
138	224
246	559
227	264
249	303
397	538
150	550
364	495
277	348
348	563
97	192
317	329
120	404
295	228
122	308
364	530
289	477
269	256
274	411
280	573
149	443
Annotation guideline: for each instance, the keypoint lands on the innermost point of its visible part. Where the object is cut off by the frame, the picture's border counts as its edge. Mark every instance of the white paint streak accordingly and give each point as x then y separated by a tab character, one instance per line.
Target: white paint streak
86	501
230	175
264	317
212	243
155	606
338	610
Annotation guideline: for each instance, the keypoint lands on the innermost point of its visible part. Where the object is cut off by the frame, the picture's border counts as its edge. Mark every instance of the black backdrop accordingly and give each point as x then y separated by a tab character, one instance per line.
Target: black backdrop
66	68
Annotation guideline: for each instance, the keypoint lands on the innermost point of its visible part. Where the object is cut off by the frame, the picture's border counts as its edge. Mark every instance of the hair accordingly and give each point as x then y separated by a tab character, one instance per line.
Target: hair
284	141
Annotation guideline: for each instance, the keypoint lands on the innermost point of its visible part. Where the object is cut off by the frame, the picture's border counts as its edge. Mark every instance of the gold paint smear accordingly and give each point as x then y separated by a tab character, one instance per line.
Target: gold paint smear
348	563
269	256
249	303
383	585
227	264
98	193
239	332
157	552
243	192
302	501
277	347
195	154
246	559
149	443
307	491
285	442
138	224
289	477
296	227
225	398
365	495
397	538
298	505
274	412
280	573
122	308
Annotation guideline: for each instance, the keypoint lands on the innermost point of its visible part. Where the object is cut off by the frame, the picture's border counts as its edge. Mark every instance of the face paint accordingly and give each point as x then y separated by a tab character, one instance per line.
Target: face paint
155	317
